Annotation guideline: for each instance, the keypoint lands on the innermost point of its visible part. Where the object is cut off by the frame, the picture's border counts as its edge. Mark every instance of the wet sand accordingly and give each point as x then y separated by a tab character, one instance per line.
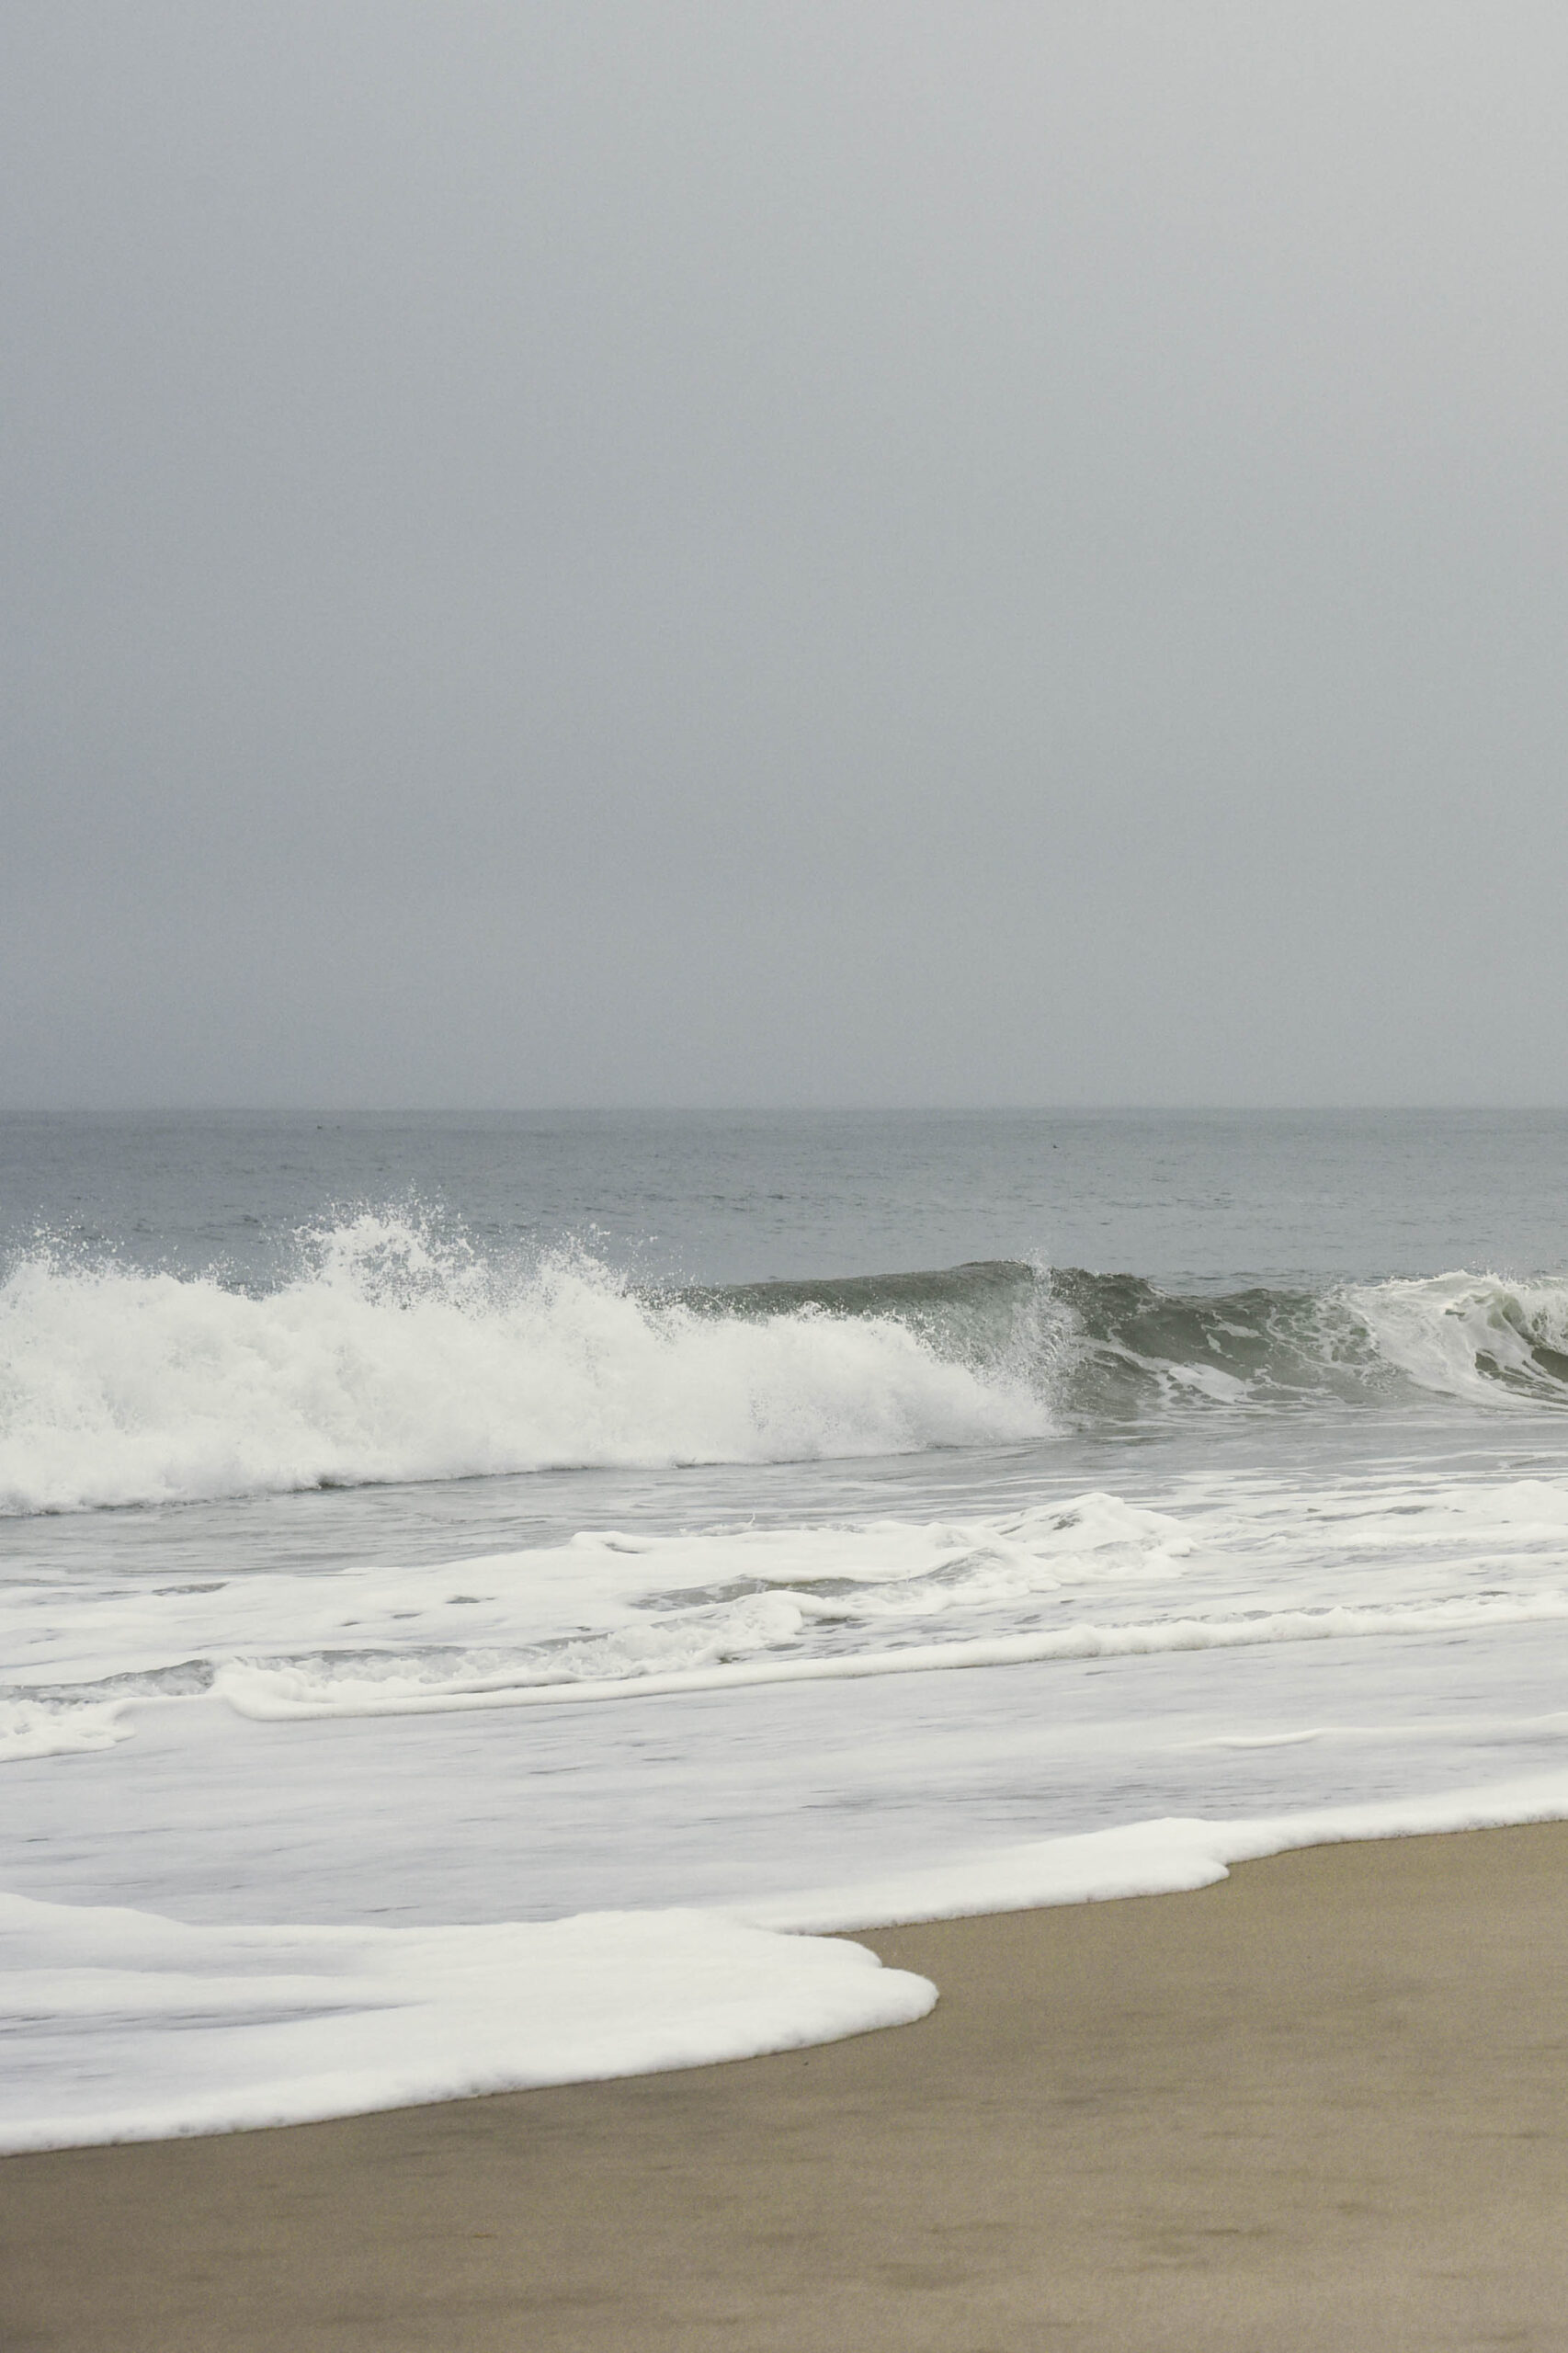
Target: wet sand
1321	2106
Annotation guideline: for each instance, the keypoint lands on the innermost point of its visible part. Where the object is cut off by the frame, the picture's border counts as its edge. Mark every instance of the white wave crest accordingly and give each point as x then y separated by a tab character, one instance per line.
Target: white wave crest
393	1357
1476	1337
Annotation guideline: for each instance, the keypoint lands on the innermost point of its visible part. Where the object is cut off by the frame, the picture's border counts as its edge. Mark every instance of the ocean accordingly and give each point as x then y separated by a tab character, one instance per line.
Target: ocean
478	1590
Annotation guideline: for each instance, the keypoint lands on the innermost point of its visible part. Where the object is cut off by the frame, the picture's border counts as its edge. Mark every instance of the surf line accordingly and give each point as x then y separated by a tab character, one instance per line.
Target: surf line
264	1694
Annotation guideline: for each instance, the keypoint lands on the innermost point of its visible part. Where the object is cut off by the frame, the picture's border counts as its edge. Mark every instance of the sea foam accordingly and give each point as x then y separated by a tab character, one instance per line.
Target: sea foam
616	1614
122	2026
392	1356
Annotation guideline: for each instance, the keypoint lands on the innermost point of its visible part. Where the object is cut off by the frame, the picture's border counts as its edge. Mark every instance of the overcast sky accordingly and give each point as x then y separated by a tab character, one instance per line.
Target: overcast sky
712	552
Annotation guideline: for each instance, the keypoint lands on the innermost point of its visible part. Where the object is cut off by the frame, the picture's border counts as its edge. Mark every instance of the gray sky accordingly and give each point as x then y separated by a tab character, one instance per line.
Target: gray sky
715	551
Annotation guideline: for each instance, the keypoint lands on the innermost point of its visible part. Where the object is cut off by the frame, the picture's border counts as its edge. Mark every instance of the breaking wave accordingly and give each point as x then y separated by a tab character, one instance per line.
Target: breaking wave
1476	1337
1111	1345
396	1354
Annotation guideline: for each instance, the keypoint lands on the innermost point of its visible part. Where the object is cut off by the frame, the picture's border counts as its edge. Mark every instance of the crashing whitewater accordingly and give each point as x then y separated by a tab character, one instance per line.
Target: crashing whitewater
393	1355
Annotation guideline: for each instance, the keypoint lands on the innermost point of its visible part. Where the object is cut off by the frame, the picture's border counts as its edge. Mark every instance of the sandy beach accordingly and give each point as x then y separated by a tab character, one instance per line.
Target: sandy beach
1323	2104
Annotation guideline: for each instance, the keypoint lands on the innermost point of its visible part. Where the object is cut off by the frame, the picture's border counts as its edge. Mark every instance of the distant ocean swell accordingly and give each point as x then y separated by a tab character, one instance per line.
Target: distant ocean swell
394	1355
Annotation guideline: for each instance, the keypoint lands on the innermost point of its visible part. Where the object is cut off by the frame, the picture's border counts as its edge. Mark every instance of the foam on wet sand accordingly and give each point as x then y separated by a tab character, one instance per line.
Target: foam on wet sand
1317	2106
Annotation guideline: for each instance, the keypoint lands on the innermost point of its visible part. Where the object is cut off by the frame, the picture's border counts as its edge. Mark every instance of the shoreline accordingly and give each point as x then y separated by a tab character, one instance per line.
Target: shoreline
1321	2103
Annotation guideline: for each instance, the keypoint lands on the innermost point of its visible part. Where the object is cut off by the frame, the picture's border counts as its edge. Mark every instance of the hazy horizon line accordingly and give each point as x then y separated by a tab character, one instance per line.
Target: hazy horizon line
741	1110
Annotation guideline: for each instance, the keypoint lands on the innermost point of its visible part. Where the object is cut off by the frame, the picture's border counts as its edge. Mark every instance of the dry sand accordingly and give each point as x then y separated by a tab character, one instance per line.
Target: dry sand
1322	2106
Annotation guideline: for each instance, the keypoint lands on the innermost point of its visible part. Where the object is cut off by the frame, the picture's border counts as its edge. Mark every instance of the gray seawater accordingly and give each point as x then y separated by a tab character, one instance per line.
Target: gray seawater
1201	1199
240	1351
